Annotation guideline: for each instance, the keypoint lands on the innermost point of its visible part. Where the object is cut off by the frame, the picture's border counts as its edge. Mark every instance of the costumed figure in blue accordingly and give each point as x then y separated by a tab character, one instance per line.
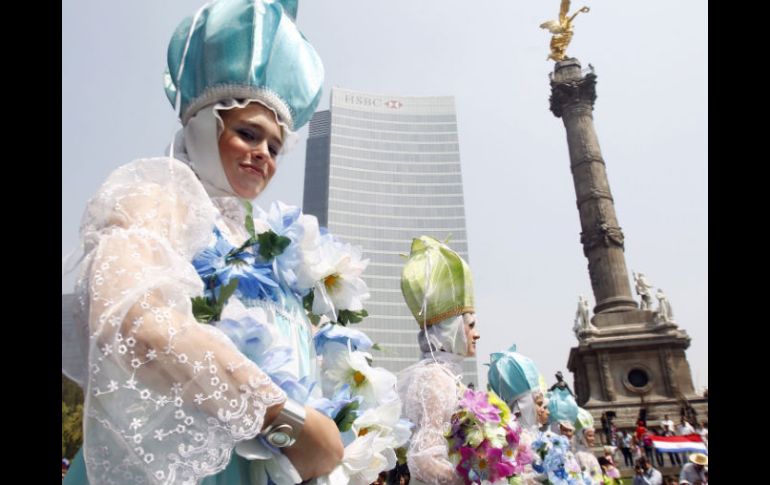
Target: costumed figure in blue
192	336
516	379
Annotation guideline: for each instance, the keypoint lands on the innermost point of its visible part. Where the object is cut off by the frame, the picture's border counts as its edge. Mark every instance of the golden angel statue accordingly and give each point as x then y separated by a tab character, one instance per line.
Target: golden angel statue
561	30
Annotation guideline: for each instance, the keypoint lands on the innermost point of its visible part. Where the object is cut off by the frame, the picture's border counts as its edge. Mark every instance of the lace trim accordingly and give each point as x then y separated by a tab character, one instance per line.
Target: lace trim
133	297
231	208
266	96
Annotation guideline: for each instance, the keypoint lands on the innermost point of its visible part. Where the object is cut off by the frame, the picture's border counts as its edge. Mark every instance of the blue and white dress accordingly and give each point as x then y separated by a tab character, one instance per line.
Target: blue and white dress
170	400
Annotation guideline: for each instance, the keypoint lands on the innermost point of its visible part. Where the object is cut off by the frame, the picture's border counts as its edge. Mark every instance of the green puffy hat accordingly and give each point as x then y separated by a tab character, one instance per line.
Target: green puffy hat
439	279
584	420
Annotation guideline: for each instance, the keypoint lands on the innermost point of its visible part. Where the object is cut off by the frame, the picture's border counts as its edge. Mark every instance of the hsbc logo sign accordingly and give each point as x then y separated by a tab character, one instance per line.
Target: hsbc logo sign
358	100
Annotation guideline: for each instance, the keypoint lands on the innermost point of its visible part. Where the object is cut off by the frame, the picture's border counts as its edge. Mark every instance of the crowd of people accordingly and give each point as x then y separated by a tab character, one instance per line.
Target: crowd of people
638	443
638	450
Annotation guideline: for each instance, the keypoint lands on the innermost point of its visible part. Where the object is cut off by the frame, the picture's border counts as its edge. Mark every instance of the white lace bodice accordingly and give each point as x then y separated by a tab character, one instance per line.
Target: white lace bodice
589	464
429	391
167	398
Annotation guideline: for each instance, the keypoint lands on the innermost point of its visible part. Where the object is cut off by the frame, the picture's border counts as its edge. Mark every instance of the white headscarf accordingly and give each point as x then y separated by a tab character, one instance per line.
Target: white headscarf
197	144
446	336
528	410
580	440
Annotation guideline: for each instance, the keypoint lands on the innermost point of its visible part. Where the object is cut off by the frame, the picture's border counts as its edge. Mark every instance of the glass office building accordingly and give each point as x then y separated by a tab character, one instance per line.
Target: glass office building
379	171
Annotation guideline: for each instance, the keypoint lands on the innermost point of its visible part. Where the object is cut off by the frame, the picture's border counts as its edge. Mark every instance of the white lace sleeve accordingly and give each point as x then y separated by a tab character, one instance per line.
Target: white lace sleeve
430	398
589	465
167	398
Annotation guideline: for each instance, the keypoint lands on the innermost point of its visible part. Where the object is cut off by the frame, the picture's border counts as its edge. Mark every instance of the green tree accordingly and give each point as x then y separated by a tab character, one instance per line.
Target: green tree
71	418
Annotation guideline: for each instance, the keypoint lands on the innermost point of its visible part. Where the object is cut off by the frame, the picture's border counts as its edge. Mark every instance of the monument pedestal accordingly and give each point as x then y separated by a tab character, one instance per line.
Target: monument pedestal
630	361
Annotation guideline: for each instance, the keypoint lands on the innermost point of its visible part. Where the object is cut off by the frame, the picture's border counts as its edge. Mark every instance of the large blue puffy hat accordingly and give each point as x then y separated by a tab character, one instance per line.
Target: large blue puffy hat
511	374
562	407
244	49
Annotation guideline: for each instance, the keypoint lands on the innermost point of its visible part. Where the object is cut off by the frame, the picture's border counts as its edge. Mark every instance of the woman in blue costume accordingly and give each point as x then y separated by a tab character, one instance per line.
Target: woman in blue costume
191	338
515	378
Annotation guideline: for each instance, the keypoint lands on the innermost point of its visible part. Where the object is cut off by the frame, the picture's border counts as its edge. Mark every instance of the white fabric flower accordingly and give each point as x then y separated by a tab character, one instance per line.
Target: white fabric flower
236	310
341	366
311	267
264	462
385	419
341	286
364	459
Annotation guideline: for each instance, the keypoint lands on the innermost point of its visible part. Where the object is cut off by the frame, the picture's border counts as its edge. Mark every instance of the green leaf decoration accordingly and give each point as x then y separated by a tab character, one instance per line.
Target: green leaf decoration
229	259
314	319
206	310
346	316
272	245
224	294
202	309
307	303
250	219
346	416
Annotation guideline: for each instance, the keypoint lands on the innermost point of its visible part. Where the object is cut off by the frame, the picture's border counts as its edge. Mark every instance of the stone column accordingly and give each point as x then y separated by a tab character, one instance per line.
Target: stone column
572	100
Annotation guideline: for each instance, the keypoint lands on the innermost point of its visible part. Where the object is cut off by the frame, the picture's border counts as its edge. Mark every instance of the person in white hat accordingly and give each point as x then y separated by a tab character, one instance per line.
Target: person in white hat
695	471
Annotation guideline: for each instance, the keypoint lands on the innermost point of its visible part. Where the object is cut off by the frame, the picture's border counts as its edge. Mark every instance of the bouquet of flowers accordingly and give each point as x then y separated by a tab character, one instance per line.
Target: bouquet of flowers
287	265
483	442
554	460
286	253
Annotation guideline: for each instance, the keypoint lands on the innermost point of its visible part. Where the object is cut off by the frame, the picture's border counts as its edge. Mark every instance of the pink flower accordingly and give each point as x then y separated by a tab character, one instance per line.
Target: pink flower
477	403
498	466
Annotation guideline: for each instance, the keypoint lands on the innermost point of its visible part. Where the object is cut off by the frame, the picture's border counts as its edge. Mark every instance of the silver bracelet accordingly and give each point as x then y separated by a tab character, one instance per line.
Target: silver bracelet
287	426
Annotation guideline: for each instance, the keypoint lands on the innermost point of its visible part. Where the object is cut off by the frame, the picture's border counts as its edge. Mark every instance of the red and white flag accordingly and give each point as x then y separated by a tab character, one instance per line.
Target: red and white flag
679	444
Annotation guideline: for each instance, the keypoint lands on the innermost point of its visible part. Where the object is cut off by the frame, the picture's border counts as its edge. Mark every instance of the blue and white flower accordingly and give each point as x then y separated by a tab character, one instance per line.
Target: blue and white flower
337	333
217	265
249	330
332	406
284	220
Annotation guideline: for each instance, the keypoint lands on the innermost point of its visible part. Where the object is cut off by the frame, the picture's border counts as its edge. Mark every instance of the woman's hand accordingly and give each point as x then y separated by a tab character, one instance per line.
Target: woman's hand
318	448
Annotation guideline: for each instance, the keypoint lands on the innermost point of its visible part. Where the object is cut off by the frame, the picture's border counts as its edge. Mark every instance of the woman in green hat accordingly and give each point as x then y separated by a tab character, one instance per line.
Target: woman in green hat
585	437
437	286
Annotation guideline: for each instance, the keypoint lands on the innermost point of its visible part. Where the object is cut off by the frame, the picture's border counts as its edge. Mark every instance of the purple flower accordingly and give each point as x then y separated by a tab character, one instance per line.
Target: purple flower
477	403
511	436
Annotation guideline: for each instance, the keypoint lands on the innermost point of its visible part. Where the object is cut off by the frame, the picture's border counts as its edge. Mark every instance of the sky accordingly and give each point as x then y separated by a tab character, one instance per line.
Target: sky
651	117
